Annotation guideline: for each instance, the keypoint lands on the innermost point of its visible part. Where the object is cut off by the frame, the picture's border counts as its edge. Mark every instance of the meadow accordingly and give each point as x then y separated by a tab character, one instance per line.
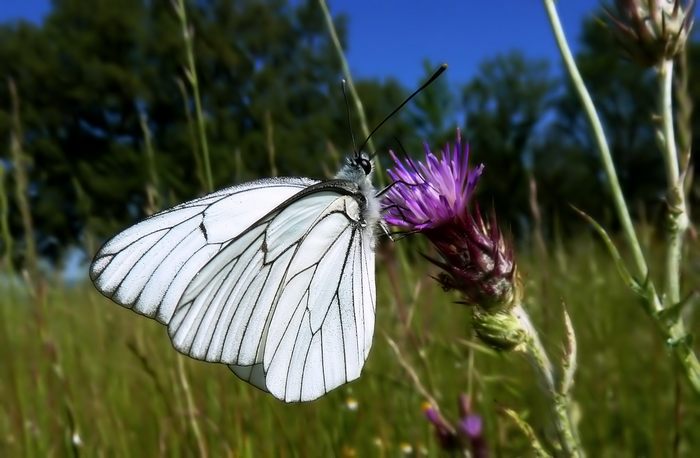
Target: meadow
83	377
150	114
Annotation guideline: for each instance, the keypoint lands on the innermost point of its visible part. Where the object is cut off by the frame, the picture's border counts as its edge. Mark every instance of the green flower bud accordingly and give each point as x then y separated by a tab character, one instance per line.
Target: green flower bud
501	330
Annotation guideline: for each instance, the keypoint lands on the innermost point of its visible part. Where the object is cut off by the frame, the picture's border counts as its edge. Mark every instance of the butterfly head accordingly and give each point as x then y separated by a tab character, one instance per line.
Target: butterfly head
358	167
363	162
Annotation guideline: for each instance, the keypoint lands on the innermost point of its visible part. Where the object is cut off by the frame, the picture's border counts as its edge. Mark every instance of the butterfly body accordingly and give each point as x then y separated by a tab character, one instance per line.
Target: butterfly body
274	278
358	170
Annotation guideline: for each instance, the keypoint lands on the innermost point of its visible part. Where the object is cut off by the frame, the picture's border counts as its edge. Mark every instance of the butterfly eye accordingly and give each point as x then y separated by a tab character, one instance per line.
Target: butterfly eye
366	165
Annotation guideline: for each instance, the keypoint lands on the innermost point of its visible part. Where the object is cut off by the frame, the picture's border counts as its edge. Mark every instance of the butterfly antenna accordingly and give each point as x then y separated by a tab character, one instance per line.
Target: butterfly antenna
403	150
437	73
347	111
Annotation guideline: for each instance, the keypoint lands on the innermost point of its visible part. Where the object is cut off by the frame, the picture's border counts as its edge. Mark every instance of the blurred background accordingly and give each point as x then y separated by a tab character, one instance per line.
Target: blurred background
98	129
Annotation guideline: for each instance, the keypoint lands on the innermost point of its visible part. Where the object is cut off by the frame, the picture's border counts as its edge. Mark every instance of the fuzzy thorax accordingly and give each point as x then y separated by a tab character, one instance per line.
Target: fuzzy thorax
353	170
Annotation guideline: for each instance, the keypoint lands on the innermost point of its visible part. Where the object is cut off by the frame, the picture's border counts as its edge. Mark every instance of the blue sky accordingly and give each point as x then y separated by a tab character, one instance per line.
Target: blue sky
392	37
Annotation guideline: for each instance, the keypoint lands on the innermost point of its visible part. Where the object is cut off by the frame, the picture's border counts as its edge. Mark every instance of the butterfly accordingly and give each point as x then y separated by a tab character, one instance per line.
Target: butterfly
274	278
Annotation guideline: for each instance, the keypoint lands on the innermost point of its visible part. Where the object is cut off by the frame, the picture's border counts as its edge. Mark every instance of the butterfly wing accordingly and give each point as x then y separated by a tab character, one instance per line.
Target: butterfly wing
312	346
289	304
148	266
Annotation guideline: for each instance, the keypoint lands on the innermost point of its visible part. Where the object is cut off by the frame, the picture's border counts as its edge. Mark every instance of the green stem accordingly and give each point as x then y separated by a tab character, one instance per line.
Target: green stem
537	448
153	187
560	401
536	350
677	215
192	411
194	82
348	78
8	244
20	163
401	253
192	131
674	332
599	136
679	340
684	114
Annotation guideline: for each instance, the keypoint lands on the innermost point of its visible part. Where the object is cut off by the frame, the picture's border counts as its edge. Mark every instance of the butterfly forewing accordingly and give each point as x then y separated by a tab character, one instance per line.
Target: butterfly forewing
148	266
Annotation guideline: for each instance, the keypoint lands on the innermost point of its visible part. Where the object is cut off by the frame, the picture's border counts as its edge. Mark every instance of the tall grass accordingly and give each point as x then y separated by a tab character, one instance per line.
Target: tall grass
84	376
20	163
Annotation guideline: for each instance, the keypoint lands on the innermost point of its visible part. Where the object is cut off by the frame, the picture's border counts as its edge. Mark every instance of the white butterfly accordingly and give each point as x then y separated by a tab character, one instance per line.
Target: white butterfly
274	278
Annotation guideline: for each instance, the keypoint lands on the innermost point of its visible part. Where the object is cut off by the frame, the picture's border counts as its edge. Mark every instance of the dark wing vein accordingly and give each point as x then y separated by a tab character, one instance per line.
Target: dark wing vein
150	276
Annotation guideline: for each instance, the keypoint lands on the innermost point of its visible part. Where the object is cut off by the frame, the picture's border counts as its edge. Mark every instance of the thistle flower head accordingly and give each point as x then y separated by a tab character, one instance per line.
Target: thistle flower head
435	198
650	31
427	195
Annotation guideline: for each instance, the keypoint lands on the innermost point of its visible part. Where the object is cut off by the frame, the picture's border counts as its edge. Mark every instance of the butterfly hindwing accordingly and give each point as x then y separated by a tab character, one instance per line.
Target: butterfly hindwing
310	363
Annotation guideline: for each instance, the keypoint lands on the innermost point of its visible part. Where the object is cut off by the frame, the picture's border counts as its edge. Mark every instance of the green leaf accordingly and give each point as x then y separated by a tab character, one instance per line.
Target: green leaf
641	289
527	430
671	315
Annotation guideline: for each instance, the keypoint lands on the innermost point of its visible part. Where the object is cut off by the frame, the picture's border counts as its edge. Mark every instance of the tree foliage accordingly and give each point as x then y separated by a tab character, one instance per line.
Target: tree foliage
567	161
505	105
95	78
93	70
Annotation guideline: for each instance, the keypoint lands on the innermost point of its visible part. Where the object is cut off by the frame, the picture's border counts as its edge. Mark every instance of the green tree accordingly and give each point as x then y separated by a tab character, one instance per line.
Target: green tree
92	71
432	115
506	106
566	162
77	89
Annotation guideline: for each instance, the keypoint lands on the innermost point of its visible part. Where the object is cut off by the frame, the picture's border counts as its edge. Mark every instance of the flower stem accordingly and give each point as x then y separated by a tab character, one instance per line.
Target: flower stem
191	71
379	172
535	350
674	331
677	214
348	77
678	223
560	401
599	136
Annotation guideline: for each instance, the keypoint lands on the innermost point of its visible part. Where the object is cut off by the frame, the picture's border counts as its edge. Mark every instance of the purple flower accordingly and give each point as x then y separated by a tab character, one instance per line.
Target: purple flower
435	198
469	434
428	195
471	427
445	433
